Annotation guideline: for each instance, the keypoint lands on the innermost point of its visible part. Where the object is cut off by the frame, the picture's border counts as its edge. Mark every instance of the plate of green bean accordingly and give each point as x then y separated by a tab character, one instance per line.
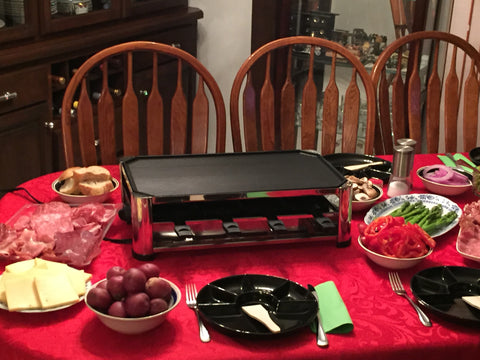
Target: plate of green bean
433	213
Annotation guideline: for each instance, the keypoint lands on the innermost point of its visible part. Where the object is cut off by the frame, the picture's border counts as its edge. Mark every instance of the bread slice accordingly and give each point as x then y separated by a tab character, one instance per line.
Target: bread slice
69	186
94	187
68	173
91	173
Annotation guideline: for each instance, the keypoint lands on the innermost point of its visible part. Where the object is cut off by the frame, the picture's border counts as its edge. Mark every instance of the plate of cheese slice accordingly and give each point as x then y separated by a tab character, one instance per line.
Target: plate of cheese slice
38	285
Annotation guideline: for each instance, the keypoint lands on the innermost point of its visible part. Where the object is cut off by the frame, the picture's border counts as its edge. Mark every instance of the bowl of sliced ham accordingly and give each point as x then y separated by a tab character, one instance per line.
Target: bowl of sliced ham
444	180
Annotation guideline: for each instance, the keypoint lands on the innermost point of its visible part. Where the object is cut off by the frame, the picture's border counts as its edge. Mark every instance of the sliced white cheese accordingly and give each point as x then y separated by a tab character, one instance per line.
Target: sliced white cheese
77	279
3	295
20	293
42	284
20	266
55	290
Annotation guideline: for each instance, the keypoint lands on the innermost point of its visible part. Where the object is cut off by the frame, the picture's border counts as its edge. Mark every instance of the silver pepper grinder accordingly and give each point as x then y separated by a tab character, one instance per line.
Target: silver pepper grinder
400	181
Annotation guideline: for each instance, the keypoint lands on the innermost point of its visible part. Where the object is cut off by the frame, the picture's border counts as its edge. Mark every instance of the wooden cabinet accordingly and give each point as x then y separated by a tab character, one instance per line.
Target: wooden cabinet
39	53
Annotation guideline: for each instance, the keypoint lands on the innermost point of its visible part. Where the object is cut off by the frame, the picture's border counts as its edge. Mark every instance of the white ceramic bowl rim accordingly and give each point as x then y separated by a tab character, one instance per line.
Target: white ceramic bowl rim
79	196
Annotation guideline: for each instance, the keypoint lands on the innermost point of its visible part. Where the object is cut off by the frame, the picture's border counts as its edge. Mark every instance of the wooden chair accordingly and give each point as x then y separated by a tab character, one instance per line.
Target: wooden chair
402	92
271	115
155	115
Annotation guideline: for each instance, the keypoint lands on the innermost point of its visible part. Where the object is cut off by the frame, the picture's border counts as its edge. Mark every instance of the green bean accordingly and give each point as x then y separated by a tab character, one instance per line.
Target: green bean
441	222
418	217
401	209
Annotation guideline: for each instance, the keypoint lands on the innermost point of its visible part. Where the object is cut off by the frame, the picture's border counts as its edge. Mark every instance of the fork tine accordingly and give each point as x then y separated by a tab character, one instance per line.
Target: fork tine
187	293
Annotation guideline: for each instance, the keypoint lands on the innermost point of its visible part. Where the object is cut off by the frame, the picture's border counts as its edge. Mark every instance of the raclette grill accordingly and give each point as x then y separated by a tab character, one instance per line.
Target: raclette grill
196	201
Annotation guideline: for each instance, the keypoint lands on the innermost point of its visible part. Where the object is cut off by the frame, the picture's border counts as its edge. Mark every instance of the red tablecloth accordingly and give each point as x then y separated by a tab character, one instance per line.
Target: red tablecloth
385	325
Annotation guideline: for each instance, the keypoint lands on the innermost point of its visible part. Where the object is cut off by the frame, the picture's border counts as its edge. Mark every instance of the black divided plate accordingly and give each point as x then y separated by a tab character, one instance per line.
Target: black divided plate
290	305
440	289
382	171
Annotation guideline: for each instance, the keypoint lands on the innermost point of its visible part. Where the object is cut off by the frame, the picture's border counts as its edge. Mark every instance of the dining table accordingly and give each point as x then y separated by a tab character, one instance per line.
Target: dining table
385	326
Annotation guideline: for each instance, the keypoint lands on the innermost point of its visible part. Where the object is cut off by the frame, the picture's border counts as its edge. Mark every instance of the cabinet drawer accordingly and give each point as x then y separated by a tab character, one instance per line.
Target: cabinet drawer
30	86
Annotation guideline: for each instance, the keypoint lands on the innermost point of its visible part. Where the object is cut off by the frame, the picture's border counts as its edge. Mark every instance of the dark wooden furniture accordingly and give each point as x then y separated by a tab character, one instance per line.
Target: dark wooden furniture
96	124
270	118
41	52
427	102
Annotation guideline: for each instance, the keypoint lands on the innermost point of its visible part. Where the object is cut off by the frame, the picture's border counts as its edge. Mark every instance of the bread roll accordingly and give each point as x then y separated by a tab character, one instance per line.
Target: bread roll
68	173
91	181
93	188
91	173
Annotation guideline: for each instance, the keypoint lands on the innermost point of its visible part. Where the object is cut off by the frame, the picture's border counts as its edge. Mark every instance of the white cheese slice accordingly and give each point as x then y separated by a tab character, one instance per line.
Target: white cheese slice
55	290
20	266
77	280
46	264
20	293
3	294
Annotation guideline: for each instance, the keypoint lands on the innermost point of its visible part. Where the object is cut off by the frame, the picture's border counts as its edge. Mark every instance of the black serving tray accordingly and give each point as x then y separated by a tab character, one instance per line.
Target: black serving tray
290	305
440	289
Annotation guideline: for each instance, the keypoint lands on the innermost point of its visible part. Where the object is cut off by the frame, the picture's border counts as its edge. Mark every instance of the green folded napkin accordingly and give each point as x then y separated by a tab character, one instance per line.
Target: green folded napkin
464	158
334	314
449	162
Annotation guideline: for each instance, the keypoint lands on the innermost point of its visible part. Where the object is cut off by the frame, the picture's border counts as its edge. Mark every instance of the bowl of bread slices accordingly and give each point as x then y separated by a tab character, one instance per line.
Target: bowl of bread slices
79	185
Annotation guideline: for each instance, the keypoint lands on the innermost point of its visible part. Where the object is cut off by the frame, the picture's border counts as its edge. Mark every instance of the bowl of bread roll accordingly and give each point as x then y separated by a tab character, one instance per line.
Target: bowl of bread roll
79	185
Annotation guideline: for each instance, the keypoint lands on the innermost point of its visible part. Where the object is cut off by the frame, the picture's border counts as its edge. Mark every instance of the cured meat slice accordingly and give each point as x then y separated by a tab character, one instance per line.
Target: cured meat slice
55	231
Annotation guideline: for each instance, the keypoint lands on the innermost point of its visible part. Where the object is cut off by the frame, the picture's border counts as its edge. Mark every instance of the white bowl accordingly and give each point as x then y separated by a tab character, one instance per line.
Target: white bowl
392	262
362	205
463	248
136	325
82	199
442	189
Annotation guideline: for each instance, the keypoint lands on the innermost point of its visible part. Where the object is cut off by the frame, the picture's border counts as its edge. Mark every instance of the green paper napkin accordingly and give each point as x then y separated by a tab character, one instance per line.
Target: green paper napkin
464	158
449	162
335	316
446	160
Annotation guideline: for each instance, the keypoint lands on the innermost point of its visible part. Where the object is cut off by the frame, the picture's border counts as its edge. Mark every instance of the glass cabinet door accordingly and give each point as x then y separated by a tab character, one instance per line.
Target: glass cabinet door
137	7
58	15
18	19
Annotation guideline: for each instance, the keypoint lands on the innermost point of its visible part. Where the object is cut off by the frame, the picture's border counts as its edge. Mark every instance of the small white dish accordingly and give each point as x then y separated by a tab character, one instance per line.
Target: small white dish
82	199
463	249
358	205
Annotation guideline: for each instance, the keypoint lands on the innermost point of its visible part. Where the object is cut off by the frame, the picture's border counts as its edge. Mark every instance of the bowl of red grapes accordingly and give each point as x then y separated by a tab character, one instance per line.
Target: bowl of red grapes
134	300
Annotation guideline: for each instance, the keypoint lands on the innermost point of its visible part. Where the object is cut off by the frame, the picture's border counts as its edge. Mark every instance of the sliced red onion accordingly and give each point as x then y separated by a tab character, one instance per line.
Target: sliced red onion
444	175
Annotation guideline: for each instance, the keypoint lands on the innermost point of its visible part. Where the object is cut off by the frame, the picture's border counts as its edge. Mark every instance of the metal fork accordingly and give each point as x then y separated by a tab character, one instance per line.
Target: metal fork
191	300
398	288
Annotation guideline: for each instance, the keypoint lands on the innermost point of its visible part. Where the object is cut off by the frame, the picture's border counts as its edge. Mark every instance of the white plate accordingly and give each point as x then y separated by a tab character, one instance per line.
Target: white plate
430	200
463	253
88	285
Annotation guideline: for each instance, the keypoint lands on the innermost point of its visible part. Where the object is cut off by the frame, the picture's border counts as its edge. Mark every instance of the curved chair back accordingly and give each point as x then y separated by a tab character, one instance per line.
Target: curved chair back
300	95
422	95
130	99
